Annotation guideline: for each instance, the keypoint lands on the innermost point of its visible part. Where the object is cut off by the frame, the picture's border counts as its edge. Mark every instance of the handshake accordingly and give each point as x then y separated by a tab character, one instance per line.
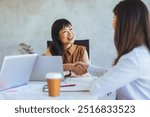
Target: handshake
78	68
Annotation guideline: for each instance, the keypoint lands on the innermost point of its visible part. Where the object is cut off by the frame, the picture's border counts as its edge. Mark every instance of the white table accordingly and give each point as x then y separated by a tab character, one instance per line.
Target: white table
33	91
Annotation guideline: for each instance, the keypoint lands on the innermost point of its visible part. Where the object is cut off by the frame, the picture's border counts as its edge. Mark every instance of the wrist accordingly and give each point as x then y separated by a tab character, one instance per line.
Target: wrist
71	67
68	67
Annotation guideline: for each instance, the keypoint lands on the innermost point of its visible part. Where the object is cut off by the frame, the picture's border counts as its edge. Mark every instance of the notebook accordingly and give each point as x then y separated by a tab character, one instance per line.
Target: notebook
75	84
16	70
79	85
45	64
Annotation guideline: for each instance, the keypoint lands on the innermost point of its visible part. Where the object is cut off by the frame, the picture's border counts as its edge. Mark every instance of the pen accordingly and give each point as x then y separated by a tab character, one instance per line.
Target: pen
67	85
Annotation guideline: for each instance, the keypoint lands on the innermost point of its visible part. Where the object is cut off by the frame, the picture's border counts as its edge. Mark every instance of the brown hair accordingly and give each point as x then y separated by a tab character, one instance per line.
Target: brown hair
132	26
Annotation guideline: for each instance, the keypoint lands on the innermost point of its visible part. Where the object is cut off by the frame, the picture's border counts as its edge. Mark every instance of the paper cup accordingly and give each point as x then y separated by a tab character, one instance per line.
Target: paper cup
53	81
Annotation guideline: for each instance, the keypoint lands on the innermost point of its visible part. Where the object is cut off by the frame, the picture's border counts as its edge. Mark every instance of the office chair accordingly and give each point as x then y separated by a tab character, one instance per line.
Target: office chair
78	42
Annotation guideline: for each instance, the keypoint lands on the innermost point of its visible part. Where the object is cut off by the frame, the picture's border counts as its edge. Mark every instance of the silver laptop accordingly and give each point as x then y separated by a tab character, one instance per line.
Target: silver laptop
16	70
45	64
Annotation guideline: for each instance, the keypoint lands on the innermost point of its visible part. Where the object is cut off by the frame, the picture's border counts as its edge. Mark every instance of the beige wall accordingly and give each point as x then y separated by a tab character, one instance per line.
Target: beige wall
29	21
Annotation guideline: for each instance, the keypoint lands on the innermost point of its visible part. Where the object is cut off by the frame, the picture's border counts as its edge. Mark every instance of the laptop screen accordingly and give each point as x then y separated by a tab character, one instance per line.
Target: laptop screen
16	70
45	64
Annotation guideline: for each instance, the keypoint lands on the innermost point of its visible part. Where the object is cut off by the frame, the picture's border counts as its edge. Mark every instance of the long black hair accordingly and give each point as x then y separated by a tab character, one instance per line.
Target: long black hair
132	26
56	47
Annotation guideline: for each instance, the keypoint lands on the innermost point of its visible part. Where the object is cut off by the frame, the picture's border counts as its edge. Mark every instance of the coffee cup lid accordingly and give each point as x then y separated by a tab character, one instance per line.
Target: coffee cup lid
54	75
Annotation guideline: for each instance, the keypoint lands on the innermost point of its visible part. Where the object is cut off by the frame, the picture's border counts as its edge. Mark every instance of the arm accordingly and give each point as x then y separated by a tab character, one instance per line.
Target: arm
125	71
96	71
85	57
77	70
82	68
68	66
47	52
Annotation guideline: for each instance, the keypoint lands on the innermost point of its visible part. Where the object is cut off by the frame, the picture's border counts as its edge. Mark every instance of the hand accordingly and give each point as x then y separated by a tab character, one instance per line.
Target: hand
80	68
77	70
82	64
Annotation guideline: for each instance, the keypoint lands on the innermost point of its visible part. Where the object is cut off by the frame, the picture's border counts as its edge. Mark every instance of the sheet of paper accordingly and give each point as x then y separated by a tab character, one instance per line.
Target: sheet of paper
79	85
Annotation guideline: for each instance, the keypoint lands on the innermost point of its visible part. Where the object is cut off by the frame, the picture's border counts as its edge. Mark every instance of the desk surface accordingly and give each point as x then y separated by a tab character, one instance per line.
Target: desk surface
34	91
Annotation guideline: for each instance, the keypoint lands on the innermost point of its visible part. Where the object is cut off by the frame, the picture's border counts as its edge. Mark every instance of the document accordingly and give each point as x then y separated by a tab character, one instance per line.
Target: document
82	84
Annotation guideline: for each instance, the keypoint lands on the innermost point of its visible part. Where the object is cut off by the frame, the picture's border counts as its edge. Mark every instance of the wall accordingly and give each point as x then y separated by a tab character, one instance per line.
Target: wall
29	21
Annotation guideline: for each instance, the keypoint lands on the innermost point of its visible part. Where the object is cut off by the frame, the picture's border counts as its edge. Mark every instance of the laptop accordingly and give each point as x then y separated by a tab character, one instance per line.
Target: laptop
16	70
45	64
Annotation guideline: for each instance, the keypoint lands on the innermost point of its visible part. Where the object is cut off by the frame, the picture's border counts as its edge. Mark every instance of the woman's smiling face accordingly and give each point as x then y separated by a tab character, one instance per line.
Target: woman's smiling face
66	35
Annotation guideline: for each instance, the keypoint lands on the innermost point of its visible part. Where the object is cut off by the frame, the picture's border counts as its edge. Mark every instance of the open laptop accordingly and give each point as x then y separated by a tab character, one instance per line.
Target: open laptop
16	70
45	64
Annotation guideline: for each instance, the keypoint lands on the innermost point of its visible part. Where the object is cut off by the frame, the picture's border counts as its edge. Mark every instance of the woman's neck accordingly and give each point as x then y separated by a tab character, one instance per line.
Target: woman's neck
67	46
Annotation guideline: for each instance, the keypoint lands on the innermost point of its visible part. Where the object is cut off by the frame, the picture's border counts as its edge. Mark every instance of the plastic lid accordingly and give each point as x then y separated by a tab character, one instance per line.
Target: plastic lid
54	75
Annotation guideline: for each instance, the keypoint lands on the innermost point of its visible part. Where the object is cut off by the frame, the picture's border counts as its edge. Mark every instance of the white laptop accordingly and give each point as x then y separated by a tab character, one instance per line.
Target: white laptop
45	64
16	70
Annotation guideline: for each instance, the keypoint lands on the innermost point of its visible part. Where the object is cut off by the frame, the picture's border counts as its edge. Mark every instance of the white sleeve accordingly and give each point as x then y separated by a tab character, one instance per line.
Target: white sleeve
96	71
125	71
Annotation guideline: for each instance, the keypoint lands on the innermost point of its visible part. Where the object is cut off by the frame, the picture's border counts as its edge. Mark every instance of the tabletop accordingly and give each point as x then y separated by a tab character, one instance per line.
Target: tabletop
34	91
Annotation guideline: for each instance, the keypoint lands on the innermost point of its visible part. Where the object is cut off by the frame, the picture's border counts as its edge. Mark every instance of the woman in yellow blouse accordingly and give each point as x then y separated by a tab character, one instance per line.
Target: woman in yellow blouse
62	34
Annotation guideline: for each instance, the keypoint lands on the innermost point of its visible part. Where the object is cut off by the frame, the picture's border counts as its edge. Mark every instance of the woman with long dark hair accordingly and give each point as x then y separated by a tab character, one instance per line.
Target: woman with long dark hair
63	35
130	74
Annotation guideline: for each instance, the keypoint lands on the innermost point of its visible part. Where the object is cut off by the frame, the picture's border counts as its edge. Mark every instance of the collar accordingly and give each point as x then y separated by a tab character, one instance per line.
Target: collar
71	49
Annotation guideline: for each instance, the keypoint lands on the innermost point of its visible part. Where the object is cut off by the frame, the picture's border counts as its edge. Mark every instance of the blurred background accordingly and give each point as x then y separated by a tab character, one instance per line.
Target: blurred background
27	23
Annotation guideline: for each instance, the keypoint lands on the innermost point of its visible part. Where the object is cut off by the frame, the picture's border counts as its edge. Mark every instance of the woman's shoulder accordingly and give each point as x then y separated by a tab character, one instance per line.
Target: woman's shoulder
140	51
138	55
79	46
48	51
143	53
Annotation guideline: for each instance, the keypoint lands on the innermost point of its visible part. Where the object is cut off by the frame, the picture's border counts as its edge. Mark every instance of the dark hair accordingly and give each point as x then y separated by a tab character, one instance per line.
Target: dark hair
132	26
56	47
